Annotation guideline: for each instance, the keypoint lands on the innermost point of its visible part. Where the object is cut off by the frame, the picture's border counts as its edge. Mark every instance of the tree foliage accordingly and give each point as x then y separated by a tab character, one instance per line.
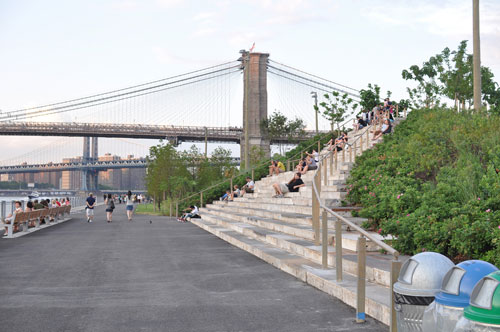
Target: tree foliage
435	185
278	125
179	173
369	97
336	107
449	74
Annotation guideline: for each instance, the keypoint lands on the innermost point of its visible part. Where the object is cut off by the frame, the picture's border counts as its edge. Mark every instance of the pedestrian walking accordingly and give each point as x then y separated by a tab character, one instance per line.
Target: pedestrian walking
110	206
90	207
130	205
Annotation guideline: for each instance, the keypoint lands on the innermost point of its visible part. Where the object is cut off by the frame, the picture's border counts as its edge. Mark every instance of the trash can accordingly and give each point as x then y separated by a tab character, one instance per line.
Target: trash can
419	280
443	314
483	312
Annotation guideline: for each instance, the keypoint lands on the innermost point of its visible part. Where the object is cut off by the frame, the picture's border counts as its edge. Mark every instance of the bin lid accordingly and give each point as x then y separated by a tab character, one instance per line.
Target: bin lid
459	282
422	274
485	301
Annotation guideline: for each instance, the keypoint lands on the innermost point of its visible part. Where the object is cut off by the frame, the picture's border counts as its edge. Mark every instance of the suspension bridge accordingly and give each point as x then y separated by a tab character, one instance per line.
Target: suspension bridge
204	105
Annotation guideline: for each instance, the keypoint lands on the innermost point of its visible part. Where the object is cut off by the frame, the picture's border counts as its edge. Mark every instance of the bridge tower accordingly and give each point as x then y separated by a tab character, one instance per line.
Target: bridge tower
94	174
85	159
90	153
254	104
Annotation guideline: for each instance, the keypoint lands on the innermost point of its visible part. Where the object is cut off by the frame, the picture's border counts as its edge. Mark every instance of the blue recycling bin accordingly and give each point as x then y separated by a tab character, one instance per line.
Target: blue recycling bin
448	307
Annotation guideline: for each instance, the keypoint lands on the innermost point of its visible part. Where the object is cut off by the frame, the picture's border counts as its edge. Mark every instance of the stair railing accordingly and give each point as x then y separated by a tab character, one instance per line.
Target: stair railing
330	160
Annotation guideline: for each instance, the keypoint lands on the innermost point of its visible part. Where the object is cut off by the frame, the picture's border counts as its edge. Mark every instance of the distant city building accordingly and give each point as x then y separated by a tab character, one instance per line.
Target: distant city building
71	179
121	179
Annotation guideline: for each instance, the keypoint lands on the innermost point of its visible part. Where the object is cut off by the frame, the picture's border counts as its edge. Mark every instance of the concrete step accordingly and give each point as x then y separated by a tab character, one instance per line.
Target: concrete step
378	297
291	218
304	199
240	221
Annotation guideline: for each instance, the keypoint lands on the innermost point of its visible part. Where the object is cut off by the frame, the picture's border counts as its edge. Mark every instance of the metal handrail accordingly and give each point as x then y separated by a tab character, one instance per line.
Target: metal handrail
317	205
382	244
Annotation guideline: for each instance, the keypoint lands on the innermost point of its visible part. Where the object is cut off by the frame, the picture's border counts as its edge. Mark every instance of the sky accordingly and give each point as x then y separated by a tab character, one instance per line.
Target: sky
57	50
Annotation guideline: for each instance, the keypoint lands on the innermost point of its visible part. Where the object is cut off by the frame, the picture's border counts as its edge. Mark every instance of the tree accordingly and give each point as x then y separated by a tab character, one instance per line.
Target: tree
166	172
279	126
449	74
369	97
336	107
428	90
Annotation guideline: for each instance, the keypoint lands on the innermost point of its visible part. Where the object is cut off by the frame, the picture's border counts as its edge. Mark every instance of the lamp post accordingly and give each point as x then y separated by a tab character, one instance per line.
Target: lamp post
476	69
314	95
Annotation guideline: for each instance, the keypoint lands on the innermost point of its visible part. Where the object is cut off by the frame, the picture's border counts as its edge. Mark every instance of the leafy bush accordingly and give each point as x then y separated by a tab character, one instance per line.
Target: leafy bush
435	185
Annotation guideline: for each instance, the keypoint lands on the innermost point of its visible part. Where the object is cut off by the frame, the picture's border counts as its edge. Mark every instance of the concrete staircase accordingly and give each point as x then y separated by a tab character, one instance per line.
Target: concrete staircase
279	231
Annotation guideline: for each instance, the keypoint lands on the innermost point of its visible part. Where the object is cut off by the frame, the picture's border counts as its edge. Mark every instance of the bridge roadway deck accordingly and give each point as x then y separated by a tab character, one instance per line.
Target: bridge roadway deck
175	133
164	276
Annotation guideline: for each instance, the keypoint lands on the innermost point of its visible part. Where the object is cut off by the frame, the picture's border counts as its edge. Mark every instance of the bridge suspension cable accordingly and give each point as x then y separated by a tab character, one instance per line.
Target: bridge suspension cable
289	92
105	98
122	89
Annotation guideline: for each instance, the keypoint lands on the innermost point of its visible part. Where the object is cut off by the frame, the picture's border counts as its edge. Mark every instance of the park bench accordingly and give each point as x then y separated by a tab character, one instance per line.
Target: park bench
25	218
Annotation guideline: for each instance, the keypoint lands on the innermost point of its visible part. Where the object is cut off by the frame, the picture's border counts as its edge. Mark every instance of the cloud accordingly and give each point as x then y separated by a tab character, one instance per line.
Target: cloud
169	3
452	19
204	16
125	4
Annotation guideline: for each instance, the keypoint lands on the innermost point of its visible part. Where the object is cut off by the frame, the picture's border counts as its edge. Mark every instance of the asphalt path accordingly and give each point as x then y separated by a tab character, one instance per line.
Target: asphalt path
153	274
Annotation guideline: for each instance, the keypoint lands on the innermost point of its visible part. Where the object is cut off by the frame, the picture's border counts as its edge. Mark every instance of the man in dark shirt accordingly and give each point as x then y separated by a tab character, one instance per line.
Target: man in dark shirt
90	207
293	186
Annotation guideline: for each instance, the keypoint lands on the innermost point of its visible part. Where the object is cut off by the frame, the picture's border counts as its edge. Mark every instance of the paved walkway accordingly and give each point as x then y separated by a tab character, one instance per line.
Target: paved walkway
159	276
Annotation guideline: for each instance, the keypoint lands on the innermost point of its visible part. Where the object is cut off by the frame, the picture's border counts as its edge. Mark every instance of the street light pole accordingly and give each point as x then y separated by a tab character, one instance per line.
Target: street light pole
476	55
315	96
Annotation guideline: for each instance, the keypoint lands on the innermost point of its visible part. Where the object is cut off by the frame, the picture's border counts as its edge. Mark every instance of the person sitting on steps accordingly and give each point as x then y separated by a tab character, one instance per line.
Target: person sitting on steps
292	186
248	188
227	196
276	167
386	129
191	212
236	192
303	166
311	163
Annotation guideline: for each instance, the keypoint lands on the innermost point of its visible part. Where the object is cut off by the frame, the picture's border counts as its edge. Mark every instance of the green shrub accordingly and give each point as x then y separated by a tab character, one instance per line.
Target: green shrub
435	185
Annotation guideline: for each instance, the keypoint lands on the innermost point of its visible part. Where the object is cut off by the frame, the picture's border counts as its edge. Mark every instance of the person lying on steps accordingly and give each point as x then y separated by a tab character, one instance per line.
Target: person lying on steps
292	186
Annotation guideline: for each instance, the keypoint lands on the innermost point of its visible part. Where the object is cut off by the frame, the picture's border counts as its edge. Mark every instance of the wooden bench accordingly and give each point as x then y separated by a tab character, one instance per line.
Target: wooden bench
25	218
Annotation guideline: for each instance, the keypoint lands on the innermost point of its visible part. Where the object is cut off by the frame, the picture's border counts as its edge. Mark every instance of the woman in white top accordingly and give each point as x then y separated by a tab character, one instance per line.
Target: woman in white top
130	205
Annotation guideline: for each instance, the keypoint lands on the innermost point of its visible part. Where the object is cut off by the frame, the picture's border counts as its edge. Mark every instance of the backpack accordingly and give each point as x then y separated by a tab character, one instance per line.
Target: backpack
112	205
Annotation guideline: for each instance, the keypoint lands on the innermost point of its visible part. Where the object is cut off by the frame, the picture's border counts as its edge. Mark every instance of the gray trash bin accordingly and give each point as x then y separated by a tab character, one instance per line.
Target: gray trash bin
419	280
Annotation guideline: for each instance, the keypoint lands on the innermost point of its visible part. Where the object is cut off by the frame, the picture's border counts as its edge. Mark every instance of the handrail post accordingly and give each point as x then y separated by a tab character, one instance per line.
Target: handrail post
331	163
319	147
336	159
367	138
404	111
288	165
361	288
231	186
343	154
325	173
397	110
338	249
253	174
201	199
315	206
360	144
324	240
395	268
353	146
